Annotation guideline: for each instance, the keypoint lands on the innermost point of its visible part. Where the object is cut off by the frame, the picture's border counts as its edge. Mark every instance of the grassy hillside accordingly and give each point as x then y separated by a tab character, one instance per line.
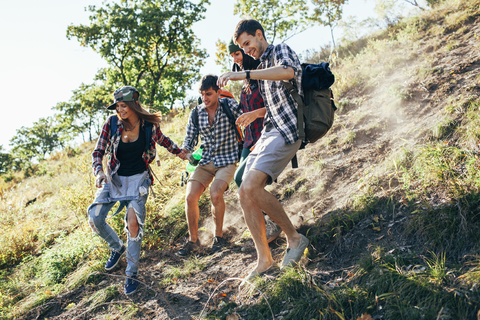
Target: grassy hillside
48	248
389	199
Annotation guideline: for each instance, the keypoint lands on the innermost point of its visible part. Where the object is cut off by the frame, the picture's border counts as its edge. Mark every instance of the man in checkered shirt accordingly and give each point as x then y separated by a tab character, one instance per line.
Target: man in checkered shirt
219	158
277	145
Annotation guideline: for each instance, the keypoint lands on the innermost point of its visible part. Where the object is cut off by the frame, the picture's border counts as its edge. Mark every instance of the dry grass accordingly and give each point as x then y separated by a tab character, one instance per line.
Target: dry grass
39	239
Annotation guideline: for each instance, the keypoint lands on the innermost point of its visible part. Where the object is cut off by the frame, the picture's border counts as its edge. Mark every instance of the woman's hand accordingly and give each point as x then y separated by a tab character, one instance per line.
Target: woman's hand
101	177
247	118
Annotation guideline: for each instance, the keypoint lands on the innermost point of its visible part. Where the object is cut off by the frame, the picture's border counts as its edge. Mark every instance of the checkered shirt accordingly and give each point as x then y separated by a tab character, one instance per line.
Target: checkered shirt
219	140
108	143
251	101
281	106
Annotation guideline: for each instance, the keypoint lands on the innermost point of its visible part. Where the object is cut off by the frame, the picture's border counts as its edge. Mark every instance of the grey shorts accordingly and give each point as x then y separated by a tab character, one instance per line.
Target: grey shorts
271	155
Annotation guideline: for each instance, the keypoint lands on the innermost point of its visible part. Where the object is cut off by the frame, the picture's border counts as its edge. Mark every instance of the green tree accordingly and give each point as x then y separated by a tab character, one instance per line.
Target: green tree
6	161
281	19
432	3
149	44
36	142
416	4
85	112
327	13
221	56
391	11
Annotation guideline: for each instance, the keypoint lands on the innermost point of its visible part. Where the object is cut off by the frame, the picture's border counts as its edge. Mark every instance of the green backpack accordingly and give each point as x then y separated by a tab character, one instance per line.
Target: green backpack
317	109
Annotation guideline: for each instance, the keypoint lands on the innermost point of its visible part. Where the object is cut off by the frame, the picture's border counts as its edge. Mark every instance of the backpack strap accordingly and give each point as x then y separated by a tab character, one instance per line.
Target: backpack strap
113	125
294	93
194	119
226	110
147	127
148	134
294	161
231	118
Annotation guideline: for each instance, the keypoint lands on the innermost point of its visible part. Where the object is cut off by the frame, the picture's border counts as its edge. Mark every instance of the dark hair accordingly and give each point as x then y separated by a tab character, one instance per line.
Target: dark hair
207	82
248	63
249	26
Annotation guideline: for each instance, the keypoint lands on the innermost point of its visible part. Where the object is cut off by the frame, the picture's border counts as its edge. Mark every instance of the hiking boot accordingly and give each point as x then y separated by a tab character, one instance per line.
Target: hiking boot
187	248
218	244
114	258
131	285
294	255
273	230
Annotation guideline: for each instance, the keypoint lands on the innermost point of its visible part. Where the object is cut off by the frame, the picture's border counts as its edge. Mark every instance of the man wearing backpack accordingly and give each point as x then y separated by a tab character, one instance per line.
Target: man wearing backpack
220	154
277	145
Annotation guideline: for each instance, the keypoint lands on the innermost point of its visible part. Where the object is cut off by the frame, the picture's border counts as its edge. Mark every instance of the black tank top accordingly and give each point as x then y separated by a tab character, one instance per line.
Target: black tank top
130	156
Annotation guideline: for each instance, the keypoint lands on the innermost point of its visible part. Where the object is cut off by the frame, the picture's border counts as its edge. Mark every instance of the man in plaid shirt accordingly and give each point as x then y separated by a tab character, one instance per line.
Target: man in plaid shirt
277	145
220	154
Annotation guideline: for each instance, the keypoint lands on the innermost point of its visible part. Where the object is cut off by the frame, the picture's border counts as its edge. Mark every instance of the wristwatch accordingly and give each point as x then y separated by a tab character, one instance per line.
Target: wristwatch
247	74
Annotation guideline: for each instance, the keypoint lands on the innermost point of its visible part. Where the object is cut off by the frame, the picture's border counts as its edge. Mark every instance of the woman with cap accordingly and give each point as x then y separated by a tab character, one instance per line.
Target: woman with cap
251	102
129	139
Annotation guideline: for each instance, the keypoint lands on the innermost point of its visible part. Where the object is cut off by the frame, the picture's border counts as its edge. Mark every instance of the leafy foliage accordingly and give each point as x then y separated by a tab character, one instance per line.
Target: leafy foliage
85	112
39	140
221	55
327	13
6	161
148	44
281	19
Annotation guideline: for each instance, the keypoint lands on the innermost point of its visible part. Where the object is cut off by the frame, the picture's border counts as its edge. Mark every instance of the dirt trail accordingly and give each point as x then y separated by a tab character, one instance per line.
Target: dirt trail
382	123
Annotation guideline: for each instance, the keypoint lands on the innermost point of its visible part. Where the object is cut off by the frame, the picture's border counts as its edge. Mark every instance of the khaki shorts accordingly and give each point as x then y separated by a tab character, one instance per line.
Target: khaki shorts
205	173
271	155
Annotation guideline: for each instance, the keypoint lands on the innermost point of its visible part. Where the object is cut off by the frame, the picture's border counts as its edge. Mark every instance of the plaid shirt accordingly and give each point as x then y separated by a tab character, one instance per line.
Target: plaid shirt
109	142
281	106
249	102
219	141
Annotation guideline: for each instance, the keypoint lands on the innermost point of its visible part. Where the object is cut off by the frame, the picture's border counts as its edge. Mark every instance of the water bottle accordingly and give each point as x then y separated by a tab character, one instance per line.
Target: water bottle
194	159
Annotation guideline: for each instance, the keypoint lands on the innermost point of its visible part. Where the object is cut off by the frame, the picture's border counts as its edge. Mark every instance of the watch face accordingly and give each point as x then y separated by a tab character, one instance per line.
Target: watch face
284	67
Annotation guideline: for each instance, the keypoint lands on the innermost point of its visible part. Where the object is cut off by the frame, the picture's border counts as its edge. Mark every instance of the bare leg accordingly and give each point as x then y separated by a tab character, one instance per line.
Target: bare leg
192	211
132	223
256	224
253	199
217	190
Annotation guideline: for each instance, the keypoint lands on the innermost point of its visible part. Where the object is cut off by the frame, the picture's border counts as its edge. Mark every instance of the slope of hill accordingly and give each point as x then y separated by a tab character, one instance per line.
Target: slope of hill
389	199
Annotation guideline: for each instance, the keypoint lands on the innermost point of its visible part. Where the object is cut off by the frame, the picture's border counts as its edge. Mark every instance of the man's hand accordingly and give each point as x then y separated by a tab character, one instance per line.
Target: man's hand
248	117
183	154
232	76
101	177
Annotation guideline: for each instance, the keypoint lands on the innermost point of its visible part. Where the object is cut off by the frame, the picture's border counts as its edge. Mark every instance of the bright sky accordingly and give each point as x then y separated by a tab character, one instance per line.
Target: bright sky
41	67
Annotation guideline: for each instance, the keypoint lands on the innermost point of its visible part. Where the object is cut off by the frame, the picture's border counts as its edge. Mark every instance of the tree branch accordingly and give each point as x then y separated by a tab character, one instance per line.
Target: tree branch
414	3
